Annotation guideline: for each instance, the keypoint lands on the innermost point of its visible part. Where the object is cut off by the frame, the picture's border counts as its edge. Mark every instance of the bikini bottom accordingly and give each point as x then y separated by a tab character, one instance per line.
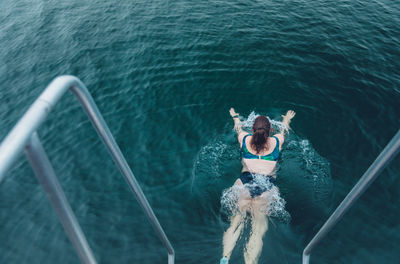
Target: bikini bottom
256	183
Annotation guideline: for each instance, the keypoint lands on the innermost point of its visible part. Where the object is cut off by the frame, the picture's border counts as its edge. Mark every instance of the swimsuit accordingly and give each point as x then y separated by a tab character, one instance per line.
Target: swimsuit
273	156
256	183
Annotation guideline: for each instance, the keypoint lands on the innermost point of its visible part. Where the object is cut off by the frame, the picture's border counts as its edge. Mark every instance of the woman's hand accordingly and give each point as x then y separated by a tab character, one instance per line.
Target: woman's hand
232	112
289	115
237	127
286	119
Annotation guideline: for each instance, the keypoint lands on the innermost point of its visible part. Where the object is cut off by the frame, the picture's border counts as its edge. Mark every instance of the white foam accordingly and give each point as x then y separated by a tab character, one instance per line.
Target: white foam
210	163
315	170
274	204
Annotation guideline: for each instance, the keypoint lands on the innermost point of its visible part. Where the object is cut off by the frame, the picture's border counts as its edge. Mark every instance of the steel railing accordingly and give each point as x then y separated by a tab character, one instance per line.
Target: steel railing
384	158
24	136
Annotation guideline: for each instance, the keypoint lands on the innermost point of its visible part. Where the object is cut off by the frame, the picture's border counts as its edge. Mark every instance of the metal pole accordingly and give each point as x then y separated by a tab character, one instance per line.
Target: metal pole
384	158
37	113
13	144
105	134
45	174
171	258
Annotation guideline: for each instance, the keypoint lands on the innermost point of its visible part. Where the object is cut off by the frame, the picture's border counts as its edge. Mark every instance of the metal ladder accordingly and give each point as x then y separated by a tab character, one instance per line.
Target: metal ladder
24	137
384	158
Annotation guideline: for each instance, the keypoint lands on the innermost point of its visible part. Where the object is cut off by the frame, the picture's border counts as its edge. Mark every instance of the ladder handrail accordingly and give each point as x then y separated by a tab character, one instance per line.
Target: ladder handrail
384	158
46	176
21	134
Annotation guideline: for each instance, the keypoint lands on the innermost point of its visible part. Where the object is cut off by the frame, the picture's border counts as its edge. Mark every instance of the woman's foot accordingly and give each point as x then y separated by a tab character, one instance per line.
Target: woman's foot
224	260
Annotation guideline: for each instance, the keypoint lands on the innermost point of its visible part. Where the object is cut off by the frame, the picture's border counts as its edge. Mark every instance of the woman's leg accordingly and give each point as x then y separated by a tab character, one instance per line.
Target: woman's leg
259	225
232	234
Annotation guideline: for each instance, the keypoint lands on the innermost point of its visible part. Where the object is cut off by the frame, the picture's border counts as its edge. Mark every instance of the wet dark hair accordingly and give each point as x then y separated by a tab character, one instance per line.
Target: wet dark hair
261	129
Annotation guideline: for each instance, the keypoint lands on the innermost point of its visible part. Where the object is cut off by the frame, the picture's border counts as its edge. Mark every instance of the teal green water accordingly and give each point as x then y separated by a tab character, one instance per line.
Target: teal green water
164	74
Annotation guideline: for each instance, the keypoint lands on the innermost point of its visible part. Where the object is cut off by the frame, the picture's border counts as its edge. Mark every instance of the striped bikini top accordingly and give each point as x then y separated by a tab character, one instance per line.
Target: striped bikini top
273	156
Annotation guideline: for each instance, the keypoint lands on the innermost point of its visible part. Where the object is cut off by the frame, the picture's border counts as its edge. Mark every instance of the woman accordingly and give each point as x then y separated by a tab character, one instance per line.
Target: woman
260	153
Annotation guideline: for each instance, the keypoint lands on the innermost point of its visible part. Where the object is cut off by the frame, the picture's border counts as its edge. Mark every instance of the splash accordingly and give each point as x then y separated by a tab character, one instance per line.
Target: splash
211	161
273	205
310	170
247	124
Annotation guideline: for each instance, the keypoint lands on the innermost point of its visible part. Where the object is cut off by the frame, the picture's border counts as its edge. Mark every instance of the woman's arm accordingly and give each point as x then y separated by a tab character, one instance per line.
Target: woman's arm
286	119
238	125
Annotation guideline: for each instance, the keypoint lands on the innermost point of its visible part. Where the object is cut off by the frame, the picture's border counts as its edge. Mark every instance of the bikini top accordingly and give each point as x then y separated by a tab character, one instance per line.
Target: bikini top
273	156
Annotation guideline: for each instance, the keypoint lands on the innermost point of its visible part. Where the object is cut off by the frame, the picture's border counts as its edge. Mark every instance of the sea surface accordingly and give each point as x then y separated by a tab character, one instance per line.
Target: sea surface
164	75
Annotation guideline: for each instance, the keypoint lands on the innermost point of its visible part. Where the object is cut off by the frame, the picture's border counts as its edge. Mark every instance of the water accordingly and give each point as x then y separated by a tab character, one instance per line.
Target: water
164	74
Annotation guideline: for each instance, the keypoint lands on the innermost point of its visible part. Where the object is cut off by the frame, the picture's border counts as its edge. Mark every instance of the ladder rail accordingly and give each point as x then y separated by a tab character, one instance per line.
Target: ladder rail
384	158
46	176
21	135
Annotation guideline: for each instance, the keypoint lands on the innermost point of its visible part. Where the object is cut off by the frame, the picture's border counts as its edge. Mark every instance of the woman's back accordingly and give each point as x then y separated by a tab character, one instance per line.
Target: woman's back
263	162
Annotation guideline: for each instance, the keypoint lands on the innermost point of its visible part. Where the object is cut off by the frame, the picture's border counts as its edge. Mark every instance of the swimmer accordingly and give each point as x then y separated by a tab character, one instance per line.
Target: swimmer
260	153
